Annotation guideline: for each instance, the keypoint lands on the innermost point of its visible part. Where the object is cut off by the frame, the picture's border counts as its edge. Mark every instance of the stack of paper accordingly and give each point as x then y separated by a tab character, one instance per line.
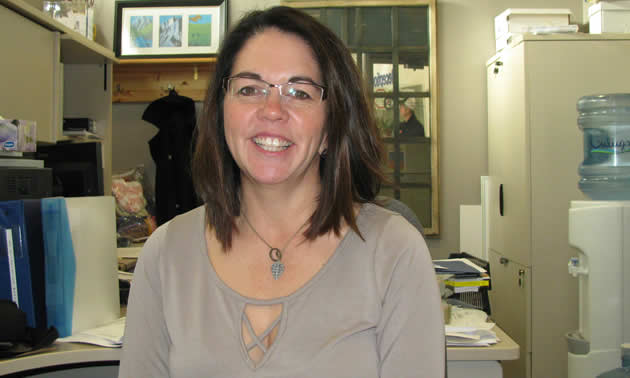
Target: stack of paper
469	327
109	335
469	336
465	277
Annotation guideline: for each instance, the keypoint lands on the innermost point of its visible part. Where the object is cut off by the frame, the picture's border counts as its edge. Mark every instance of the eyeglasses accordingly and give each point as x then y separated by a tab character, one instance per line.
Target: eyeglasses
255	91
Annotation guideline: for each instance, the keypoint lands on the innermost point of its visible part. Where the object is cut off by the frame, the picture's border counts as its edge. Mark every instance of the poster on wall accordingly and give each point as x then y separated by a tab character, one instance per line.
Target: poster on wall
169	29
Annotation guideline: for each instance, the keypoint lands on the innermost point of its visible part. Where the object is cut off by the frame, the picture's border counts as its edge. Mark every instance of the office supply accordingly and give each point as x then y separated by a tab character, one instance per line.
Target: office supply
17	135
21	163
517	21
93	227
35	238
460	267
80	124
60	266
77	168
609	17
15	271
20	183
471	230
109	335
469	327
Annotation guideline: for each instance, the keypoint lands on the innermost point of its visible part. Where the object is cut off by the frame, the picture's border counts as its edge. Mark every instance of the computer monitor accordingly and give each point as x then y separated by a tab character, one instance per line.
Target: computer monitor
77	168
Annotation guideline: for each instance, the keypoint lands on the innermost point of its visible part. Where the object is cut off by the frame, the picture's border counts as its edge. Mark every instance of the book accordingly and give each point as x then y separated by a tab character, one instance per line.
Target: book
476	283
460	267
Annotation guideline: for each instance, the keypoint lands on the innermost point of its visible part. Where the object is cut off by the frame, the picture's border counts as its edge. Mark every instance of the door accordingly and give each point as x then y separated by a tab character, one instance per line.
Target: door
508	157
510	300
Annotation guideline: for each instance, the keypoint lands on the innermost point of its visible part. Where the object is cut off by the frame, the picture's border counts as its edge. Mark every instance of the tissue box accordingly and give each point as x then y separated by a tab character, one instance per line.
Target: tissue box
609	17
18	135
517	20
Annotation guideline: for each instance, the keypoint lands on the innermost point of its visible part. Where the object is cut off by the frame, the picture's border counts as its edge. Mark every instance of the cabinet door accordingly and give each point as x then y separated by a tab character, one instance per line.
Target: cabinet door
510	300
28	71
508	158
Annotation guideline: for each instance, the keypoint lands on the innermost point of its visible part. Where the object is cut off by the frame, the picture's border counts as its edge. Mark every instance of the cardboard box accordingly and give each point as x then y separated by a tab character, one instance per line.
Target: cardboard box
18	135
519	20
609	17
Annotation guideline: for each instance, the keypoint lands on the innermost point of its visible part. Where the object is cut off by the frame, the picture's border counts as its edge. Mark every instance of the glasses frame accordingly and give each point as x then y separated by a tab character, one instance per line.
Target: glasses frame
324	95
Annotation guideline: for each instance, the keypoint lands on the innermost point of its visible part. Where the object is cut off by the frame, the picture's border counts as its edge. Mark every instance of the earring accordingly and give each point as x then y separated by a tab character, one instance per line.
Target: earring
323	153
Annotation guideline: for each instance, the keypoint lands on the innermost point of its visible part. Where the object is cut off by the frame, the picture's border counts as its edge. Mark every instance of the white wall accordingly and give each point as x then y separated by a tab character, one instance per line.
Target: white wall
465	43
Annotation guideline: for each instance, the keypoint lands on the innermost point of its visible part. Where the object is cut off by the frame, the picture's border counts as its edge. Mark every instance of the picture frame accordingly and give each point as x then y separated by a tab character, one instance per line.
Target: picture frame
169	28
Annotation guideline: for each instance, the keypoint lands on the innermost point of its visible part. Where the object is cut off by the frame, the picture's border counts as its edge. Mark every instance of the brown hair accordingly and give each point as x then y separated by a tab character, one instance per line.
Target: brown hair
350	171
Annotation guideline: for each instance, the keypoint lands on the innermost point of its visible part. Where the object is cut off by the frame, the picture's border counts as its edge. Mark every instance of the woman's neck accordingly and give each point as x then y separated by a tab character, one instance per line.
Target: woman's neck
278	206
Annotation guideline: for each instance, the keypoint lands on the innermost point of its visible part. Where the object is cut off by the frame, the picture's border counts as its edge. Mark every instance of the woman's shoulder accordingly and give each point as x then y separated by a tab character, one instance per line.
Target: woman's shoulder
374	218
177	231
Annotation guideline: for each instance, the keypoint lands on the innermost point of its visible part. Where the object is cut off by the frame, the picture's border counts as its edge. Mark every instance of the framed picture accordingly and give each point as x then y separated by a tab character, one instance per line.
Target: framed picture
169	29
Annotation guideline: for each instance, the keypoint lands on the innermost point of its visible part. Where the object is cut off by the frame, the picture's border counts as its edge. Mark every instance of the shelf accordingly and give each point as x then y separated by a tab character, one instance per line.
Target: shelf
75	48
146	80
156	61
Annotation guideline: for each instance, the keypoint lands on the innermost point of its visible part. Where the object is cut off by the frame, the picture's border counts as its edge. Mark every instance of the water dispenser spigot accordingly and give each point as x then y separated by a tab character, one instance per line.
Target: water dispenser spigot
574	267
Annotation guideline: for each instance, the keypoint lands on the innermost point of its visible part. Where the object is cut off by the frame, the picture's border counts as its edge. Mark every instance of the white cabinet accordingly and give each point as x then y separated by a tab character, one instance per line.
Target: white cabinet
534	150
49	72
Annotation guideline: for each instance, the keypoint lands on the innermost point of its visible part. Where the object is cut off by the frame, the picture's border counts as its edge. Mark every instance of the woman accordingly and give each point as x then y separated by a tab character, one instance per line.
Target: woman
289	270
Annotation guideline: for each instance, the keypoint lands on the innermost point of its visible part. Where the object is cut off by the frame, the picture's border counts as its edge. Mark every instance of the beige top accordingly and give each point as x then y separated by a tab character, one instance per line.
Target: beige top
372	311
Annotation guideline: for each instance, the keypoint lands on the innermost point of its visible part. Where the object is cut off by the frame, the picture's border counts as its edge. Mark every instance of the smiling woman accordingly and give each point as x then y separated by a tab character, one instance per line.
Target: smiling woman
292	267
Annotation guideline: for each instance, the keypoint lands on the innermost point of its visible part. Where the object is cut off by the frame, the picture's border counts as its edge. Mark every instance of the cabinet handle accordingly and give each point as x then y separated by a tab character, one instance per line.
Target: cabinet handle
521	278
503	261
501	200
497	64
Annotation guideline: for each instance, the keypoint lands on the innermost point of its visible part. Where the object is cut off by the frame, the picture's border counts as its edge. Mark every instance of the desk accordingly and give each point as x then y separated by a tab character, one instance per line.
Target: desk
481	362
464	362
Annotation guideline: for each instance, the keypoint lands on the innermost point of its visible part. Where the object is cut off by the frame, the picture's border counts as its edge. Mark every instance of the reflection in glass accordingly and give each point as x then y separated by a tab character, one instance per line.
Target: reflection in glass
383	111
418	199
414	21
370	27
392	48
414	115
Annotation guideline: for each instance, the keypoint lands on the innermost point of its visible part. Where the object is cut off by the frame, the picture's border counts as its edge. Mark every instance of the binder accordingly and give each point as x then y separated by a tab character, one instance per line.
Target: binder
34	237
60	265
15	272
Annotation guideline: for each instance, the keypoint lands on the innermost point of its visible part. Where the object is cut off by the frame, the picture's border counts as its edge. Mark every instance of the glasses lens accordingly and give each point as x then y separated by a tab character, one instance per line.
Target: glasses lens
246	89
249	90
303	93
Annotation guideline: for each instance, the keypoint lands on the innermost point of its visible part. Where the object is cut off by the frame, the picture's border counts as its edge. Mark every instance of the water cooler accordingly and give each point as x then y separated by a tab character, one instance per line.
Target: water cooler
600	230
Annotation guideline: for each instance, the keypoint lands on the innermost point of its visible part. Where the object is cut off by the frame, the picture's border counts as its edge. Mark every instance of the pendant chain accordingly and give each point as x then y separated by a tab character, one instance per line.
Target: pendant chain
275	254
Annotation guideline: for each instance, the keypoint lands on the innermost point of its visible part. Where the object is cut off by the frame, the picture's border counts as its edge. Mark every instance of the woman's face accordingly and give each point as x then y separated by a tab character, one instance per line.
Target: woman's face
274	140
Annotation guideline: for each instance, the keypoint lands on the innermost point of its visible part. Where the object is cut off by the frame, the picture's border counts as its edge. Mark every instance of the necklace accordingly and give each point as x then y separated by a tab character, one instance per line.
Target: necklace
275	254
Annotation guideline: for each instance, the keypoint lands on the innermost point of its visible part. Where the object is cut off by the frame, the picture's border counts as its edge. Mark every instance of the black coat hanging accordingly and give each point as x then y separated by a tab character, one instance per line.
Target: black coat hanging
171	150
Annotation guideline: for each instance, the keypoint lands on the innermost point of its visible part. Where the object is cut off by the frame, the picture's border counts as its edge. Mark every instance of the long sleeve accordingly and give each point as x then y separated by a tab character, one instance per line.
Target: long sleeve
410	333
146	340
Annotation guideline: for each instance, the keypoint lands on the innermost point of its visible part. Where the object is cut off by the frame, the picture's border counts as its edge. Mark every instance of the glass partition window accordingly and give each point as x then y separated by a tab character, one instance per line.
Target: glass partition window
394	47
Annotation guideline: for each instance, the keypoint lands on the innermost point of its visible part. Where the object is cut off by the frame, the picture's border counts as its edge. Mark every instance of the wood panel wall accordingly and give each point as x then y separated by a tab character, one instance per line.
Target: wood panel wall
148	80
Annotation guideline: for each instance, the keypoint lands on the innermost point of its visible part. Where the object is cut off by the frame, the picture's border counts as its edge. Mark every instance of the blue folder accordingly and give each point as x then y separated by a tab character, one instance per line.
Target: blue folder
15	272
34	236
60	265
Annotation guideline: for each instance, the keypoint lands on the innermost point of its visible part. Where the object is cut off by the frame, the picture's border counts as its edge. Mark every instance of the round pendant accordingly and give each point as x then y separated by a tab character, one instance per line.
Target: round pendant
275	254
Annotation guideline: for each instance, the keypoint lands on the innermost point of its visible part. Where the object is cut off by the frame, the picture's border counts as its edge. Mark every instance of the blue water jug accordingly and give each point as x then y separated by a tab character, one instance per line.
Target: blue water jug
605	121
